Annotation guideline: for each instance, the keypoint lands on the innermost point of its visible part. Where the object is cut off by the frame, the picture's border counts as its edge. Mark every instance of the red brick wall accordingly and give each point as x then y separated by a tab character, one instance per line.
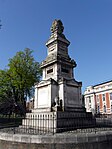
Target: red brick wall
107	101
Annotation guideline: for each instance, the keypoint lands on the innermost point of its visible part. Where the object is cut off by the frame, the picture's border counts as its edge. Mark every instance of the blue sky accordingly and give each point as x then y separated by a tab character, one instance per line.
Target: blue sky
87	23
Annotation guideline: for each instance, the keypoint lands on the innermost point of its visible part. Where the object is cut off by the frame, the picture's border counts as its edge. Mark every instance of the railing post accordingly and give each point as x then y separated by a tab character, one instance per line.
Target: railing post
43	122
14	123
53	123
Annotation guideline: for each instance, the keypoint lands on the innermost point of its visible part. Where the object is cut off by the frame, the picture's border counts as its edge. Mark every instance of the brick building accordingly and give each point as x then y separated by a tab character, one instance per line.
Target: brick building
98	98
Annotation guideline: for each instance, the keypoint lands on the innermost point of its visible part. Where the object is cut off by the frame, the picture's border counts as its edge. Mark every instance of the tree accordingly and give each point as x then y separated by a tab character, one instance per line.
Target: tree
17	82
5	86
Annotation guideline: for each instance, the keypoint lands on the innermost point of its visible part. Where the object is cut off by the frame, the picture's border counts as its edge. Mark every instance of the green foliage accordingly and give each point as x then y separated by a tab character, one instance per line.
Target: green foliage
17	82
5	85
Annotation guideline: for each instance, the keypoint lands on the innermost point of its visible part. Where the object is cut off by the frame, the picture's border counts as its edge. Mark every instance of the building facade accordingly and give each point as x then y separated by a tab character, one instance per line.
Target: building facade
98	98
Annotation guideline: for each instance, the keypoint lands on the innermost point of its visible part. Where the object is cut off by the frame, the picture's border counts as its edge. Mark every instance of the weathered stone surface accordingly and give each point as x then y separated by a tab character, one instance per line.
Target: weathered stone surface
58	141
58	75
58	93
57	25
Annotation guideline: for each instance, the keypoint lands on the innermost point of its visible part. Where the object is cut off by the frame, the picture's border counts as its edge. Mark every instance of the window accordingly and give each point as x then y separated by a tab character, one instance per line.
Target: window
111	107
97	98
49	71
89	99
64	70
110	96
104	108
90	107
103	97
98	109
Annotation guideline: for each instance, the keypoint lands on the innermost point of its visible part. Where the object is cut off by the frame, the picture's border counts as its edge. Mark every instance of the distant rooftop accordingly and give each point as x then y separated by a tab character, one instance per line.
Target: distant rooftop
102	83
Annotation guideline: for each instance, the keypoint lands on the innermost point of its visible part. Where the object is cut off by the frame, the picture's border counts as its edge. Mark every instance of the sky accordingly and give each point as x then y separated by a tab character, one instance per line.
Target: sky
87	25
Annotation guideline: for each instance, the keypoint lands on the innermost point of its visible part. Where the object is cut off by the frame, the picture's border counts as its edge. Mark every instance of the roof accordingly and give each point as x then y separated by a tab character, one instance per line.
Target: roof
102	83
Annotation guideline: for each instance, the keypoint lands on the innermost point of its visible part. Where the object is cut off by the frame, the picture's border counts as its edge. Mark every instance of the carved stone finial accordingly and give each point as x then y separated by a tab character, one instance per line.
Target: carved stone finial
57	25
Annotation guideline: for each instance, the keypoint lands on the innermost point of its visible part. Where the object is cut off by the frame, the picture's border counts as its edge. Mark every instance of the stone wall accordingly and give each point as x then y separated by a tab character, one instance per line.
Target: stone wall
13	145
102	140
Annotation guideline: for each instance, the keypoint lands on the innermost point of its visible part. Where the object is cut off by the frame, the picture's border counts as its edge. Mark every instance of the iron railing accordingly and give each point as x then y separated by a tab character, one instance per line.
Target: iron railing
48	125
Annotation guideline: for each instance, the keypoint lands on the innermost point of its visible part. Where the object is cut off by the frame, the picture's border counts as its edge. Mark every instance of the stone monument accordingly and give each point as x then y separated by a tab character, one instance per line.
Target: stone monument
58	87
58	94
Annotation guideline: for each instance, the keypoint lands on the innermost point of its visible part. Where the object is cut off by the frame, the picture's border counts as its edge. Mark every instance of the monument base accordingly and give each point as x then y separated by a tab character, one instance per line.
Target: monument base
58	121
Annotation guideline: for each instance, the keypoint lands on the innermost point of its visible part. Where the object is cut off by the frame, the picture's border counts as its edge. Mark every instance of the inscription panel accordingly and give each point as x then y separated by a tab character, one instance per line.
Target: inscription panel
43	97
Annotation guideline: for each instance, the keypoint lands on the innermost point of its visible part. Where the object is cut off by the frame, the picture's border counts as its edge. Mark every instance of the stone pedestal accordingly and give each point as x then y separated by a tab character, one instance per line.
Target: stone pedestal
67	91
58	121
